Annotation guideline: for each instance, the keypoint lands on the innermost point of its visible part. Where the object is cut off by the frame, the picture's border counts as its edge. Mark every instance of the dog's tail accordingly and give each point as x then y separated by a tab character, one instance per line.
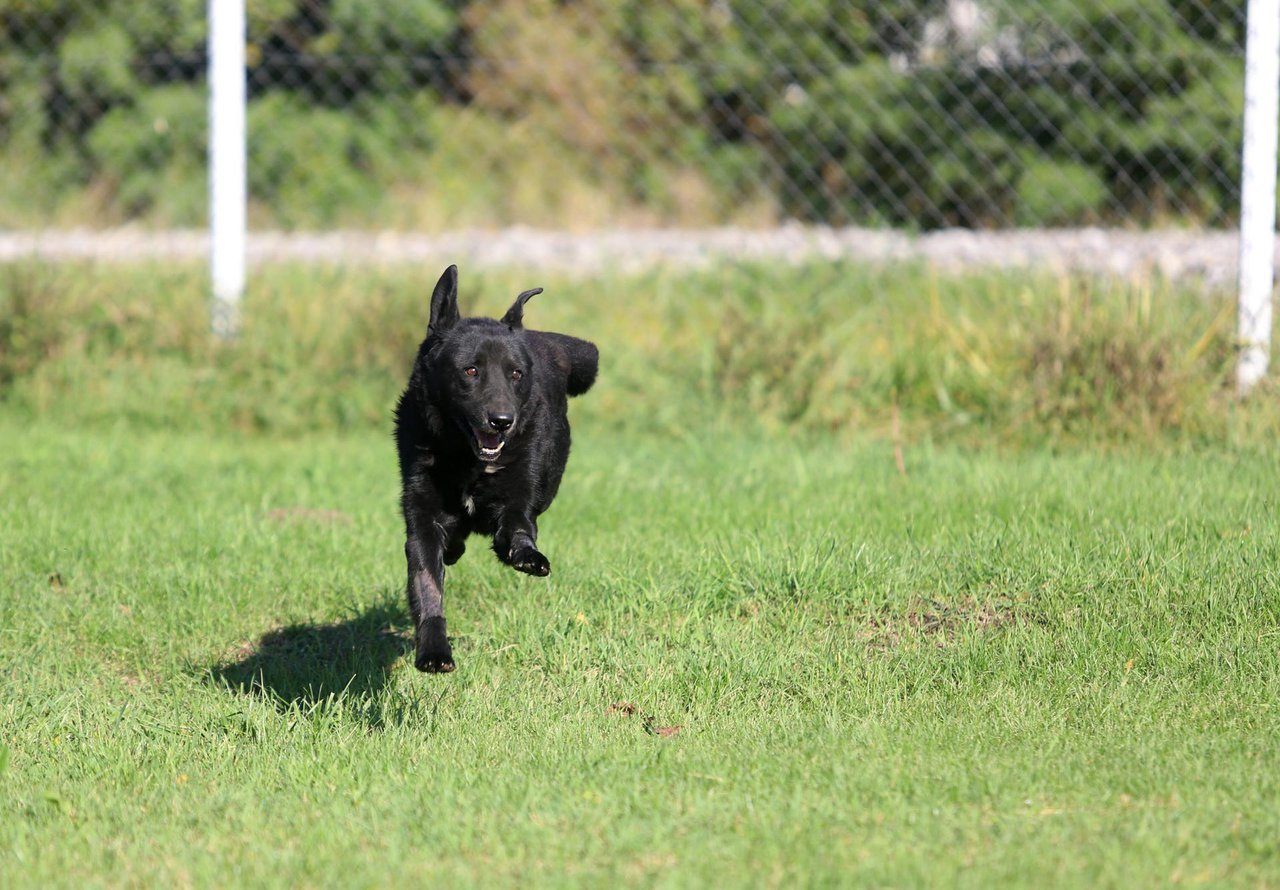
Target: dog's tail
578	359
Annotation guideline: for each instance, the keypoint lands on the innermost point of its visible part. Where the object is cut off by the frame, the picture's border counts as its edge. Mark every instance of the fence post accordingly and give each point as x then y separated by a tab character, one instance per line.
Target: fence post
1258	191
227	187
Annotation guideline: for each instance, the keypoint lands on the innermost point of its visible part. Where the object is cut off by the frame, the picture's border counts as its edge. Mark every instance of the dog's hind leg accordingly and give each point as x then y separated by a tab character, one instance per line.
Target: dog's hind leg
454	548
424	554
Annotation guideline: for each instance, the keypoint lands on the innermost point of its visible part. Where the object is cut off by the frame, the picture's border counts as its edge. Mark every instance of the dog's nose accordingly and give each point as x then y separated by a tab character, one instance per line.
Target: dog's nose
501	422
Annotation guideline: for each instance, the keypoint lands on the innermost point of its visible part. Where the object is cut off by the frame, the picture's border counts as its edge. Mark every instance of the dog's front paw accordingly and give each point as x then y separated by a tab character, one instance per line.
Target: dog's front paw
434	654
434	660
530	561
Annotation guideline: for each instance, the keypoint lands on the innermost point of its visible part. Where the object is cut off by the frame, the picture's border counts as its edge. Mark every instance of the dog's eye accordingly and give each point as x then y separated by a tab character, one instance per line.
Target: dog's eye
470	372
517	374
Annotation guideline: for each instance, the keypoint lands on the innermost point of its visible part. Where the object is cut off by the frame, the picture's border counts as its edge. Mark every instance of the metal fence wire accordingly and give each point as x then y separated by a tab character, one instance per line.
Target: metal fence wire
433	114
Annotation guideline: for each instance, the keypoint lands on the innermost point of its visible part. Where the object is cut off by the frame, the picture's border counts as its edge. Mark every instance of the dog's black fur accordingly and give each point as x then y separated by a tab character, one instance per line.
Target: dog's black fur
483	435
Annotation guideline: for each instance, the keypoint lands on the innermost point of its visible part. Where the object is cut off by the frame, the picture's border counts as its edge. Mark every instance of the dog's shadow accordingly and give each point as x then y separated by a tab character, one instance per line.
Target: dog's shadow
308	665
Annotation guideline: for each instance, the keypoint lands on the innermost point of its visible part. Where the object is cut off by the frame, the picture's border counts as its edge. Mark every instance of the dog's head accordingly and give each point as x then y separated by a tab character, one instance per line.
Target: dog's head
481	371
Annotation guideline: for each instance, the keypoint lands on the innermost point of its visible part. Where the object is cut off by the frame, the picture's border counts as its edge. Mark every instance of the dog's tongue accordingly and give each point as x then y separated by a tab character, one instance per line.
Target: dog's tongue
489	441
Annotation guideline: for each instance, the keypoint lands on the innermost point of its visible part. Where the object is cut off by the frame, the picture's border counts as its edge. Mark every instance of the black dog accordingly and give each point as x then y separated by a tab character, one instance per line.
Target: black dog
483	435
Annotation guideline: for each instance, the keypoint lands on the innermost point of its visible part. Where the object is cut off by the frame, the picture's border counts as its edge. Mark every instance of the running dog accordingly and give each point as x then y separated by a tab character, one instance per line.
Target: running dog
482	431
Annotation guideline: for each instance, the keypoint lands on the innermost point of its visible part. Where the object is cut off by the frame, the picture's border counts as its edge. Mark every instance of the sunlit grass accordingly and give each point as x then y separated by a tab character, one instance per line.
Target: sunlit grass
755	662
1025	634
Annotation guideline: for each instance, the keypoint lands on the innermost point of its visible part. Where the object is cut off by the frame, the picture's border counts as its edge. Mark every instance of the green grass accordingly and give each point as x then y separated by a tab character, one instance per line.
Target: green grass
998	668
1045	654
827	348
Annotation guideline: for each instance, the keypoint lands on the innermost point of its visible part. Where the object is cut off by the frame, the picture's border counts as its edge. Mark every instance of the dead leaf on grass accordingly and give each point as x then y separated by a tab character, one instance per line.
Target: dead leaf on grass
627	709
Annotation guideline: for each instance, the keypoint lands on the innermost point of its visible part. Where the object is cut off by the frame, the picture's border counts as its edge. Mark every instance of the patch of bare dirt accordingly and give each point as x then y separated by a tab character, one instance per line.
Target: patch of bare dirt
938	622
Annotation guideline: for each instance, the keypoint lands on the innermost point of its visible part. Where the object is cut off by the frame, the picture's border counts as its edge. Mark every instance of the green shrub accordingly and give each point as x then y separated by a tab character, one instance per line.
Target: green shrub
317	166
153	154
1150	104
1054	193
407	26
93	64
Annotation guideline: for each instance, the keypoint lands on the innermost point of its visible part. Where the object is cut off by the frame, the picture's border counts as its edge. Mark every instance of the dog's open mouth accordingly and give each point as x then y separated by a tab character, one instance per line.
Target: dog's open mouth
490	445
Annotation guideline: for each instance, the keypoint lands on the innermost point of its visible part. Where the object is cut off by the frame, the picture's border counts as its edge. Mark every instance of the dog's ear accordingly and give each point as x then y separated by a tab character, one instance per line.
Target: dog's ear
515	315
444	301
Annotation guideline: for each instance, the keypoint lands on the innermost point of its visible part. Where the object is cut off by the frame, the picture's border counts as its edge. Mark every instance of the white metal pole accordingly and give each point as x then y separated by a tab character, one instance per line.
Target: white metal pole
1258	190
227	187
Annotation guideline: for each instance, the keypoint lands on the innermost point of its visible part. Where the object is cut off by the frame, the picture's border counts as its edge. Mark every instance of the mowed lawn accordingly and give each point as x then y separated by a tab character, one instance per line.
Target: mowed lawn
758	661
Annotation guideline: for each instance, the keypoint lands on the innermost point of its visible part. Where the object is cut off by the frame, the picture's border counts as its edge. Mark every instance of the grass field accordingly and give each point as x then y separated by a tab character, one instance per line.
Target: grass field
765	655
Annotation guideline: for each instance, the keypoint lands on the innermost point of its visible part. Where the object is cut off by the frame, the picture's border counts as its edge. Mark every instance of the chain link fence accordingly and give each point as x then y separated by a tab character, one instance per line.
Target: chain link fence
438	114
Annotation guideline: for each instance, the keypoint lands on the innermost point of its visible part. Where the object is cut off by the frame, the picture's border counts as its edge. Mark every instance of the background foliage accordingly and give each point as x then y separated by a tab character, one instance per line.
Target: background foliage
435	113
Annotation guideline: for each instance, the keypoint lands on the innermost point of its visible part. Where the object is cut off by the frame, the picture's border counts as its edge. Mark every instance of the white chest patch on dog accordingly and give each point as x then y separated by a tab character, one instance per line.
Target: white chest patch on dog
492	468
469	504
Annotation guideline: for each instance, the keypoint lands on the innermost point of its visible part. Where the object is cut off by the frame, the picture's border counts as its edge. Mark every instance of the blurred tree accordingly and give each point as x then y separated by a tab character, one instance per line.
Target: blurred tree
910	112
